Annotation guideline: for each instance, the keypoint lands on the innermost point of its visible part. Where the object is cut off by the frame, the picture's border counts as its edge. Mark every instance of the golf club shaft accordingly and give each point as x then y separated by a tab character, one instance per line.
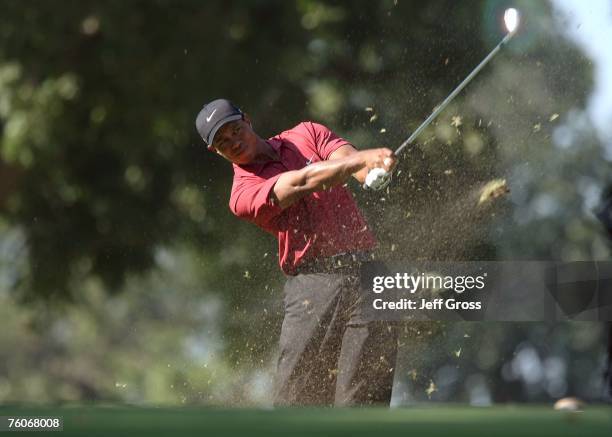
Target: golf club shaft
452	95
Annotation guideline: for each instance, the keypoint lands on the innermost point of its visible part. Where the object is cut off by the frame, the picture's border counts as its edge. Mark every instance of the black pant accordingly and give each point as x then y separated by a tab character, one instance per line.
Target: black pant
330	355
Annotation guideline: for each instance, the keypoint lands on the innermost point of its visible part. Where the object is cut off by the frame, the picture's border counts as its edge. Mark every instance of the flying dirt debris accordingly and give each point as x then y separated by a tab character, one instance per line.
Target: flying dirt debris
492	190
451	222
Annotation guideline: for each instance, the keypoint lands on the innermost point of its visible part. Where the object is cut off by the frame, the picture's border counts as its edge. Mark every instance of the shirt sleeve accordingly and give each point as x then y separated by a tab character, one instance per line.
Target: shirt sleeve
251	200
325	141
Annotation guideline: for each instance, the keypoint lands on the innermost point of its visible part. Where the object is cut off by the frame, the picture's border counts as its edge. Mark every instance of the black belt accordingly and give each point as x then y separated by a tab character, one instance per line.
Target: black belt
341	262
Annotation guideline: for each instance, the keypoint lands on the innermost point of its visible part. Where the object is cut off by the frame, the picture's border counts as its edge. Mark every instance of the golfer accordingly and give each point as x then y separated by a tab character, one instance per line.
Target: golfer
292	186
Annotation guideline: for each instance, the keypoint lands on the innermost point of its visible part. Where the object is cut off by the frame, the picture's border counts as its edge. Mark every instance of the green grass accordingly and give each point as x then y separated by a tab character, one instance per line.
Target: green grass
453	421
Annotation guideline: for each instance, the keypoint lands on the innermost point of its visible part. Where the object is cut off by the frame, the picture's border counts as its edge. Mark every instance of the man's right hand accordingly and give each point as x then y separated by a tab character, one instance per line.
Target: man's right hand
379	158
379	166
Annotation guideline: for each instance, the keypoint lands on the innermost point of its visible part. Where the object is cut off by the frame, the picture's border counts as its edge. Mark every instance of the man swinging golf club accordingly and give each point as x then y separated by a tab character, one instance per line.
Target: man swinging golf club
291	185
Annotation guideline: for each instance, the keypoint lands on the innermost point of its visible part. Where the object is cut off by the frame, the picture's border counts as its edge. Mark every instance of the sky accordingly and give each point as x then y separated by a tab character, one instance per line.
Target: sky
590	26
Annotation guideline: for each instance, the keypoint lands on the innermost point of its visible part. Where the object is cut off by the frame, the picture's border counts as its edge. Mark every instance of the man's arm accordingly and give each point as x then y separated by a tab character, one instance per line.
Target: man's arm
348	150
293	185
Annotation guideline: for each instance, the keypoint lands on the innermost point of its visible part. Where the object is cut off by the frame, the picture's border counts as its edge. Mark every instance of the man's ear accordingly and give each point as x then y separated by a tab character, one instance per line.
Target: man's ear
246	118
222	155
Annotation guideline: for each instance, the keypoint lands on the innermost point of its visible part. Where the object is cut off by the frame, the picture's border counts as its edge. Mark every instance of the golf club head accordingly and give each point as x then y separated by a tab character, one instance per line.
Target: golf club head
377	179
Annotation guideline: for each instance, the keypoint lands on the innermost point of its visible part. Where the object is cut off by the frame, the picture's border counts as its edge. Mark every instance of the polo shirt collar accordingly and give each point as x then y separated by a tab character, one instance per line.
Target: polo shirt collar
276	144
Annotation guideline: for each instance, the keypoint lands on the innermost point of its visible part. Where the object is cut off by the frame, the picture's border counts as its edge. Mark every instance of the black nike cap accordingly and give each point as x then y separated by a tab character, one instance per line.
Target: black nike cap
213	116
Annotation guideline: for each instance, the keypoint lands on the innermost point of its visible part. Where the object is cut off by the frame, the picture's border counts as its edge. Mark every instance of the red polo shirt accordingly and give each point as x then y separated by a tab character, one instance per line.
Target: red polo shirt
321	224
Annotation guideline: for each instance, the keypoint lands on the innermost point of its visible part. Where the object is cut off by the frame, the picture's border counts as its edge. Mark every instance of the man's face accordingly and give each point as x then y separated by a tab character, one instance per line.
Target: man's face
236	141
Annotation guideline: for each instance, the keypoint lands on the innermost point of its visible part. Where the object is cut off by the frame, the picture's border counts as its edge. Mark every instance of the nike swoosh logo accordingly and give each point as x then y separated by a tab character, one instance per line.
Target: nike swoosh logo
210	116
310	160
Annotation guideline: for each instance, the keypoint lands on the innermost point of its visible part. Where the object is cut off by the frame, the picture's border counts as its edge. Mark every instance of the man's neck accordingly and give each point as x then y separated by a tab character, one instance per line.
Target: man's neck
265	152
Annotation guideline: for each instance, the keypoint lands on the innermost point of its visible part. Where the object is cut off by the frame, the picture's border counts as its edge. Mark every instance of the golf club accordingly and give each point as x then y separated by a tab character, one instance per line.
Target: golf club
378	178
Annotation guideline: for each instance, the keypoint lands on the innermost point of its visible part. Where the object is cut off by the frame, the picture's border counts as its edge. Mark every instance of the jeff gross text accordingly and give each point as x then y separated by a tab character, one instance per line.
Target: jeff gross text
431	283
